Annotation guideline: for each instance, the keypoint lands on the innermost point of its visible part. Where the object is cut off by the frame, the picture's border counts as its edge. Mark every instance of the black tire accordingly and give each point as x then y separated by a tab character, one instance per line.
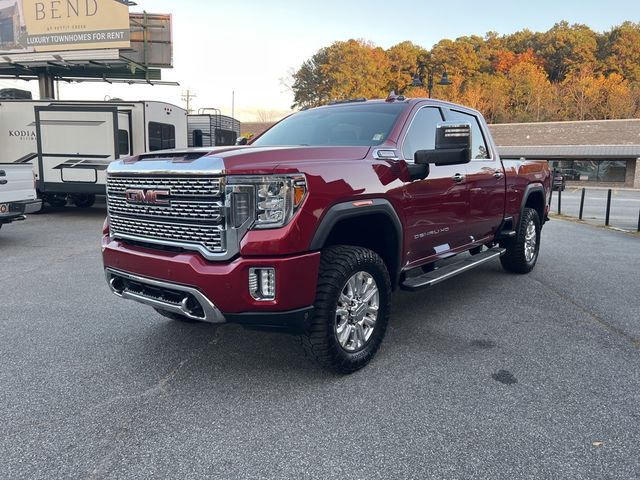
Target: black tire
84	200
515	259
338	264
56	201
175	316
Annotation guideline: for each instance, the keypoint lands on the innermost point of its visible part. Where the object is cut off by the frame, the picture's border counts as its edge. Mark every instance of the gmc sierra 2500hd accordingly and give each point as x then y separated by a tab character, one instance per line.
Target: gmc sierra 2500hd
310	227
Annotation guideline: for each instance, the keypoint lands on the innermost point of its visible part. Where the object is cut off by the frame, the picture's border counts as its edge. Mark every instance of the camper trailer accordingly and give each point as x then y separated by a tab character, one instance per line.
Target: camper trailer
71	143
212	129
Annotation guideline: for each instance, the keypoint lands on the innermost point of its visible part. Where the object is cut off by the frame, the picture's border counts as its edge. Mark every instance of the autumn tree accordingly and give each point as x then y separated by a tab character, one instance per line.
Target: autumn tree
569	72
621	51
311	87
355	69
568	47
530	93
403	58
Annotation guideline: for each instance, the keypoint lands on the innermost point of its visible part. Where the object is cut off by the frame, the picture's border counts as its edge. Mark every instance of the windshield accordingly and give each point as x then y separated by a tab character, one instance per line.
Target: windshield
348	125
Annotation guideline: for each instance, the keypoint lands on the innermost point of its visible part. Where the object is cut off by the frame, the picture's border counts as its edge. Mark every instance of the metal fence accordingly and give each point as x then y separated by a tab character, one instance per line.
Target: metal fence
610	207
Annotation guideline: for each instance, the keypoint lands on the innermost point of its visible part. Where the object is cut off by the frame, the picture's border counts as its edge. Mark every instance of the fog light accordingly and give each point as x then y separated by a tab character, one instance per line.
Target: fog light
262	283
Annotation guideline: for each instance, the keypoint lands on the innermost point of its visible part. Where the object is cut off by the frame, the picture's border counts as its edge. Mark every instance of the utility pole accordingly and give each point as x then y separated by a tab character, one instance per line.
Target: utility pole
186	97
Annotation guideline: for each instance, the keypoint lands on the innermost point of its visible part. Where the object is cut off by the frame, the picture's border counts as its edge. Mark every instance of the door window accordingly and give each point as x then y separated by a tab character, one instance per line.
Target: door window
422	132
479	148
123	142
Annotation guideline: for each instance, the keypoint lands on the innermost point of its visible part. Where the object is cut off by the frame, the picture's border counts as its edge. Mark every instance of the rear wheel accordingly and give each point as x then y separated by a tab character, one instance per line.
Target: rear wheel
522	251
84	200
352	308
56	200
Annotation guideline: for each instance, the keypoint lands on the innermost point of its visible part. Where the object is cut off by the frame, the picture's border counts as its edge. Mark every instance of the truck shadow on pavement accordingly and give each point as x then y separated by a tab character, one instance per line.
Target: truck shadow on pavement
423	324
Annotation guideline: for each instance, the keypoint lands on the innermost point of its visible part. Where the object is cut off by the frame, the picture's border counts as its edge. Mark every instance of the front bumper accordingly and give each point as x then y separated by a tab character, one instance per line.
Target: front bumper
16	210
217	292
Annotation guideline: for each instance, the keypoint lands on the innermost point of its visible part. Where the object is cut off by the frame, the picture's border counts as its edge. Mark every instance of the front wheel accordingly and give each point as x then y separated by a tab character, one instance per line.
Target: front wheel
522	251
352	309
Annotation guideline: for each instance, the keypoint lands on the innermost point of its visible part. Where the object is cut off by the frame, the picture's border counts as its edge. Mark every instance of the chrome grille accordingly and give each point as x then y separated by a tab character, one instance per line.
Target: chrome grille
188	186
211	238
193	218
209	211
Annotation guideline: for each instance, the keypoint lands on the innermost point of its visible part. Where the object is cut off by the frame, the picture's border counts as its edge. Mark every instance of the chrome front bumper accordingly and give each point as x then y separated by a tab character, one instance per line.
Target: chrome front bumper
171	297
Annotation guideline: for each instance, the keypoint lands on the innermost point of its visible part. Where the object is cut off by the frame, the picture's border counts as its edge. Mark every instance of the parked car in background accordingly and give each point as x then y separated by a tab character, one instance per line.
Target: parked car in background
17	192
559	181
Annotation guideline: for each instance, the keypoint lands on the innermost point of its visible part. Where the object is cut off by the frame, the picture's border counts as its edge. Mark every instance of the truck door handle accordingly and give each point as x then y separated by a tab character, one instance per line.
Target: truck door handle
458	177
3	173
4	182
498	174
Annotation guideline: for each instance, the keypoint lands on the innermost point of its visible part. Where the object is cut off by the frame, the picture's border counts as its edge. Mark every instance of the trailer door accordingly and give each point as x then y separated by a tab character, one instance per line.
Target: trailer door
75	147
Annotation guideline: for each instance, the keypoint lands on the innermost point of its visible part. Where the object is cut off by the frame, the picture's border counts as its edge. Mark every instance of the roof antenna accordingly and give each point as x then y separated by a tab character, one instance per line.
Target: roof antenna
392	97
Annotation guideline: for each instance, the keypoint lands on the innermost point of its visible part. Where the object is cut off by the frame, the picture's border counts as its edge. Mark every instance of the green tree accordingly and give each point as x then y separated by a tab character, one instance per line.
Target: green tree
311	87
356	68
403	58
621	51
568	47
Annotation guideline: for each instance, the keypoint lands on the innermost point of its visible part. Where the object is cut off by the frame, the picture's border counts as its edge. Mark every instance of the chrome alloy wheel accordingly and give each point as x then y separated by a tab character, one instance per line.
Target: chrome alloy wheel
357	311
530	241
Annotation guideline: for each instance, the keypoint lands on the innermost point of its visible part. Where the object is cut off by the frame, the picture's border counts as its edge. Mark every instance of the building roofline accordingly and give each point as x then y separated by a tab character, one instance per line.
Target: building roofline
579	145
569	121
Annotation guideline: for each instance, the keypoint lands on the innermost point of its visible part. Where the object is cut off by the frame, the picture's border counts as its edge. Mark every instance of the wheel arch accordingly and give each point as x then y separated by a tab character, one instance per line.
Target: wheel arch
359	223
533	197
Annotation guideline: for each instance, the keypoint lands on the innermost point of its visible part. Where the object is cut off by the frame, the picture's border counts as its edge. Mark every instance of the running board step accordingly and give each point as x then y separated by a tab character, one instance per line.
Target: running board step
441	274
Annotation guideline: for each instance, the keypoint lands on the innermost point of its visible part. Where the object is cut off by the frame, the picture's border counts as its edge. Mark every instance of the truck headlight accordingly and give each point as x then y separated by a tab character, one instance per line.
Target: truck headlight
271	200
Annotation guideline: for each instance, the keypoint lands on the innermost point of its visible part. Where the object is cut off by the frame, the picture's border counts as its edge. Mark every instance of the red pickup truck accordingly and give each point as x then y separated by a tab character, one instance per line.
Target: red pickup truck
310	228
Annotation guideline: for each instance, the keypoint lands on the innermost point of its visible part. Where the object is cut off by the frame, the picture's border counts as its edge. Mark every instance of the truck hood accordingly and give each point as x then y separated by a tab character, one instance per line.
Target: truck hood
244	159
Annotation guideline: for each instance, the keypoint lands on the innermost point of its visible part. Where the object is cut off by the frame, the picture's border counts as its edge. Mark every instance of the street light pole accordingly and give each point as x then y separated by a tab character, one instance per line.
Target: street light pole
423	70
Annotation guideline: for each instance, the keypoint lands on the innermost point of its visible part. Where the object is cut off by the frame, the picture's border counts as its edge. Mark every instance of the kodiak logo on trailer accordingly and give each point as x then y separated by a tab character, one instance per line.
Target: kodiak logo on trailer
22	134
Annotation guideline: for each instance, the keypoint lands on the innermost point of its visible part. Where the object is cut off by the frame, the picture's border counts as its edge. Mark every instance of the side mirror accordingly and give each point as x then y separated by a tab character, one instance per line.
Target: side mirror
241	141
453	145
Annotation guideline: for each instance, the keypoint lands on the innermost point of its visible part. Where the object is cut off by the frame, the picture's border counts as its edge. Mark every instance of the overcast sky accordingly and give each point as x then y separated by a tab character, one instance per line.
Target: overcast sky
250	46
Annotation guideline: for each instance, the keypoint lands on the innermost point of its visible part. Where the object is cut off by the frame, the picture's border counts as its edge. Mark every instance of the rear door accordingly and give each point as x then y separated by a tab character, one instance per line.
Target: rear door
485	181
75	147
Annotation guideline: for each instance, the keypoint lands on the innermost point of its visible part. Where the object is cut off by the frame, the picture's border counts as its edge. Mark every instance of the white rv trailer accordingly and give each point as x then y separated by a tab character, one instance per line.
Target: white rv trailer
71	143
211	130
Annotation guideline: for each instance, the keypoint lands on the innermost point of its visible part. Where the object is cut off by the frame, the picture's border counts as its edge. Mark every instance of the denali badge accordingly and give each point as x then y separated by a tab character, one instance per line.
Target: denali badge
148	197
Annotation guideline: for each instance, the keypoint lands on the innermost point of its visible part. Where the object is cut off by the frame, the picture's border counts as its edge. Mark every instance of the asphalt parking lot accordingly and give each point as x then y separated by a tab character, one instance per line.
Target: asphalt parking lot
490	375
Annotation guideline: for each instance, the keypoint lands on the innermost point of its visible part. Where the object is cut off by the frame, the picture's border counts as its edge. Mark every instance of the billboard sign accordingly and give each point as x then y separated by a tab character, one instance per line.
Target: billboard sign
60	25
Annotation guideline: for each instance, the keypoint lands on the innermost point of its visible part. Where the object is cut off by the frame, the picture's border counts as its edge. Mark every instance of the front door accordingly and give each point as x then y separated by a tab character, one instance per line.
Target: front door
436	207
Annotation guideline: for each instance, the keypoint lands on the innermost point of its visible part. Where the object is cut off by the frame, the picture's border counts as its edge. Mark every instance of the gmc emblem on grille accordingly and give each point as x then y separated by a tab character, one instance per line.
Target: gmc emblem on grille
147	197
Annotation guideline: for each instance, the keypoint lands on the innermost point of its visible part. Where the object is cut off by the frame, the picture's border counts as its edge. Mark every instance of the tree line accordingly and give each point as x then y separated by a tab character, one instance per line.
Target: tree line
569	72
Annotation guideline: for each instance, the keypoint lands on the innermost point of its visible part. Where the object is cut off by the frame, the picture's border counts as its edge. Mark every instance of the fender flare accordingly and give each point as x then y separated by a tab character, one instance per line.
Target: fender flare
532	187
345	210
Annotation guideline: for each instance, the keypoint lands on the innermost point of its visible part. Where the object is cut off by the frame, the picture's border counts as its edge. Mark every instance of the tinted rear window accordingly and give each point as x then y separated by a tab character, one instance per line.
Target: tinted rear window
347	125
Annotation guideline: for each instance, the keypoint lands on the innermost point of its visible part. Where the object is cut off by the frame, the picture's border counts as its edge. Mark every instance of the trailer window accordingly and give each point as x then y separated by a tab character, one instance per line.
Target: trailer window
123	142
197	138
161	136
